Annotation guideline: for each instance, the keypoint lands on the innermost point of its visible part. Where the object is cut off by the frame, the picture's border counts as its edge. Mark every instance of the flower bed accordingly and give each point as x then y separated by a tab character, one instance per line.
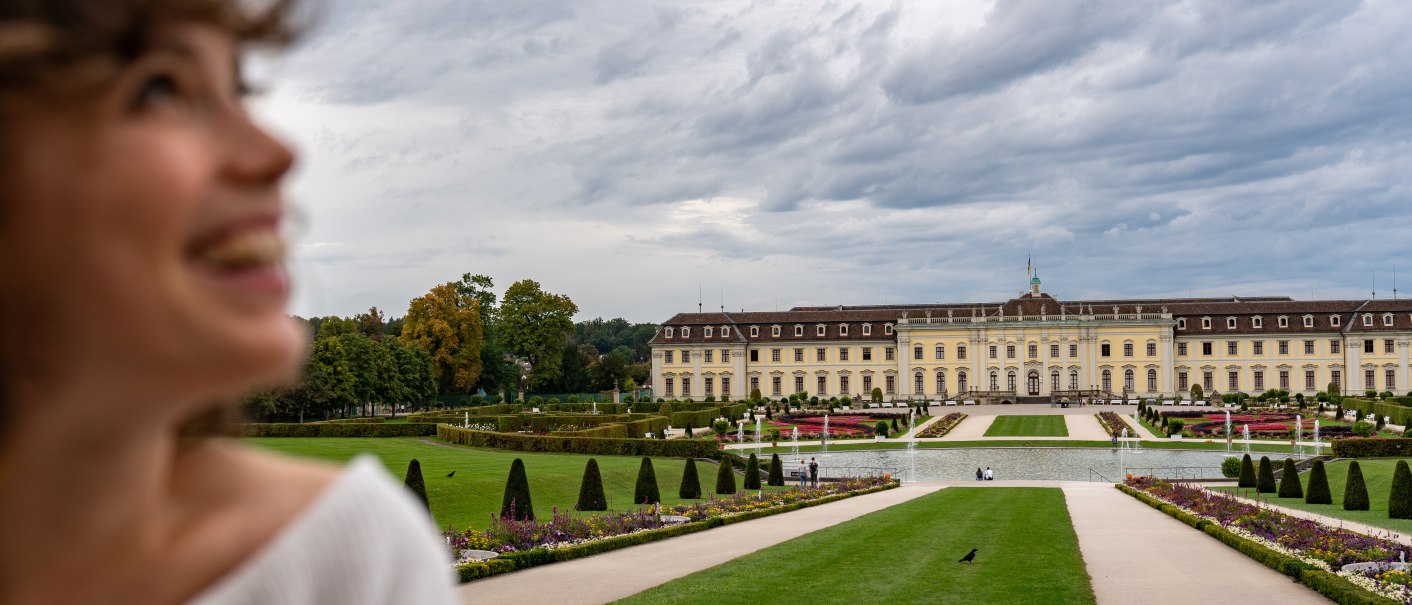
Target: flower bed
941	427
564	536
1306	550
1114	424
842	426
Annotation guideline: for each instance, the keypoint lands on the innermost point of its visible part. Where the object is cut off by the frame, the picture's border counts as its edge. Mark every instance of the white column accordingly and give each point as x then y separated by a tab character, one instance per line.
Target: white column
1353	369
904	363
1167	351
658	386
1402	366
740	382
698	382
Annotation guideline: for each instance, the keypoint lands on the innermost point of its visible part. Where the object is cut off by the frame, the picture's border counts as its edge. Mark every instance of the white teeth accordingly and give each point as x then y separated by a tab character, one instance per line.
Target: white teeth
258	248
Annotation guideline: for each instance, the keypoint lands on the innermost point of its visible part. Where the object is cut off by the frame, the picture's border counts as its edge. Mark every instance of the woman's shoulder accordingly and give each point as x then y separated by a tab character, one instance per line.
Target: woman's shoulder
362	540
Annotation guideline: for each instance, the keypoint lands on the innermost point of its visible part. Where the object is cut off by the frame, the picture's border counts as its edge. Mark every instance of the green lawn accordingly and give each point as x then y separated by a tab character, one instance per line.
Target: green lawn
1027	426
474	494
1028	553
1377	475
844	446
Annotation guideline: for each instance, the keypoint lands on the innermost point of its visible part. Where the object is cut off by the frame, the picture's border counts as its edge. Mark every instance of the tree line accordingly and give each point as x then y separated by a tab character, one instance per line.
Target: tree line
459	339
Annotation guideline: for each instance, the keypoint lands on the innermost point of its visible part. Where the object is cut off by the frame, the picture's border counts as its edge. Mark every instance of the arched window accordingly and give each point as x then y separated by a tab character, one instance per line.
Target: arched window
961	381
1128	380
1010	381
1152	381
941	381
994	380
1054	380
1073	380
917	381
1107	380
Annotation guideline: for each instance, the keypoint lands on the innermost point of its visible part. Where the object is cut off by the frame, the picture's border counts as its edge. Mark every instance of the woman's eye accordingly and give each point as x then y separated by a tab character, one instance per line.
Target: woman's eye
155	90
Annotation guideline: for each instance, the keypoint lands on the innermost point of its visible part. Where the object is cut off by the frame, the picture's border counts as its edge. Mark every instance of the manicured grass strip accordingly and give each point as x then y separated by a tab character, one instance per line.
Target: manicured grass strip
844	446
473	495
1028	426
1377	475
1015	529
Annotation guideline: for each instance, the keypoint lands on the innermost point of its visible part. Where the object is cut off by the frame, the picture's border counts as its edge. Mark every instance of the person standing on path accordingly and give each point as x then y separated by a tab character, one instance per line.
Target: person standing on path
814	472
803	474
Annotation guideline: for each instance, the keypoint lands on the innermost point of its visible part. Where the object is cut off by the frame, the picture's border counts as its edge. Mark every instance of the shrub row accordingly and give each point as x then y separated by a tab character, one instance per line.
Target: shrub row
1323	582
411	429
362	420
543	556
1373	447
634	429
1401	415
674	448
457	414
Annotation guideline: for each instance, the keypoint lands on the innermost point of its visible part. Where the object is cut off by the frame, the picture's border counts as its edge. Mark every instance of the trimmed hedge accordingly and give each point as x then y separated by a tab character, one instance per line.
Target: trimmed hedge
484	569
1325	583
1355	492
1318	485
725	478
1265	476
591	496
673	448
516	503
1247	472
1372	447
752	473
646	490
363	420
411	429
690	482
1289	481
1399	502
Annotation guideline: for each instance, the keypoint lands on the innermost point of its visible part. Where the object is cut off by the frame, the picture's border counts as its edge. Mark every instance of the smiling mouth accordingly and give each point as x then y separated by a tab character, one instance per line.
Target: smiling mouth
253	249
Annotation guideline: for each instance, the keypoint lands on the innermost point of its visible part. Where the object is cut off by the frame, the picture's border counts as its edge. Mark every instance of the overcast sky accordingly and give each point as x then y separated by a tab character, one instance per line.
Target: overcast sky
632	154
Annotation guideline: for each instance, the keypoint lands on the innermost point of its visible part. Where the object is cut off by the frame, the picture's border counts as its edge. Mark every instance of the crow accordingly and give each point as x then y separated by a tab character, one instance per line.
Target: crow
970	556
451	474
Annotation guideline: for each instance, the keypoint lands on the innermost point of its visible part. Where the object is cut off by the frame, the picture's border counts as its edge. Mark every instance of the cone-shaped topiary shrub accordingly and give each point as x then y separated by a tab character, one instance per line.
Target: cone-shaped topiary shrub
1265	476
881	428
725	478
752	473
415	483
776	471
1289	481
591	495
516	503
688	431
646	492
894	425
690	482
1318	485
1247	472
1355	493
1399	501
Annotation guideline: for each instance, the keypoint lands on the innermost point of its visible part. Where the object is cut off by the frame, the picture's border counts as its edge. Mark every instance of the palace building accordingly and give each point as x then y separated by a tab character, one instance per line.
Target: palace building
1036	348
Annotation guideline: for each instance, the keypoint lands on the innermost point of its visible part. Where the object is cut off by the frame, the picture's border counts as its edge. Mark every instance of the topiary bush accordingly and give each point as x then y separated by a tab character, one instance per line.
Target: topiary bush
690	482
1355	492
591	496
1289	481
1247	472
1265	476
877	395
880	428
1318	485
1230	467
894	426
516	502
1399	501
1174	426
776	471
752	473
725	478
415	483
1363	429
646	490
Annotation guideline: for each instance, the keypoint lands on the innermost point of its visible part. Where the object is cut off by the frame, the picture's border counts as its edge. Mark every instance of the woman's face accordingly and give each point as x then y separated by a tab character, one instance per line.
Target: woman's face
141	234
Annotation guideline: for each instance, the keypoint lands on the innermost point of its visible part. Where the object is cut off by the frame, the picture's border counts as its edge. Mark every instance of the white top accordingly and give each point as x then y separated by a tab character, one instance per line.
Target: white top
364	541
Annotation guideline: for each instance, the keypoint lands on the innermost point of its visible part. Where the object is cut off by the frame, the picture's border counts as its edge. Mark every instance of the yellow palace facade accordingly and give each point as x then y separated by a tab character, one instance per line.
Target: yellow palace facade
1036	348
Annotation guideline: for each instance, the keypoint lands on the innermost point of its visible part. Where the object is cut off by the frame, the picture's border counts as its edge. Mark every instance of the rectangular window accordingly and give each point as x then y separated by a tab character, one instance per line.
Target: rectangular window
1181	348
1390	379
667	356
1335	346
867	384
994	351
917	352
1127	349
708	354
686	386
940	352
1033	350
1054	353
917	384
669	384
1257	347
1207	382
821	354
775	355
888	354
843	355
823	383
1073	350
1308	347
798	355
960	351
843	385
754	383
1336	377
1009	351
1206	349
940	382
754	355
1151	349
709	384
725	356
1053	381
1233	381
867	353
1182	381
1259	380
890	382
1368	346
1284	379
799	384
1370	380
1388	346
725	386
1283	347
1232	347
775	385
686	356
1105	350
1309	380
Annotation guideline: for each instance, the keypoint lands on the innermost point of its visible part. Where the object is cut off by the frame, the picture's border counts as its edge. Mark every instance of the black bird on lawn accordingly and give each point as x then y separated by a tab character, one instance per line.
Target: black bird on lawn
970	556
451	474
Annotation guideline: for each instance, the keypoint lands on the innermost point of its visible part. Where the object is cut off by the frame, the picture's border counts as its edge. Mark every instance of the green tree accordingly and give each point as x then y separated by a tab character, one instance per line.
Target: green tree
377	378
536	325
448	325
333	327
776	471
725	477
1265	476
752	473
690	483
414	366
1318	485
1247	472
1355	491
479	287
1399	501
516	503
646	489
591	495
1289	481
415	483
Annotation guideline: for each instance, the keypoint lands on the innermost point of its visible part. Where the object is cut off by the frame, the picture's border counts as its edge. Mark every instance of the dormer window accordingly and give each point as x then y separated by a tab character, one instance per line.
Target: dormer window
1206	323
686	332
1230	323
754	331
669	332
821	330
1367	319
887	329
843	329
1255	322
1284	321
1387	320
725	331
1335	320
1308	321
867	329
1181	324
775	331
706	332
798	330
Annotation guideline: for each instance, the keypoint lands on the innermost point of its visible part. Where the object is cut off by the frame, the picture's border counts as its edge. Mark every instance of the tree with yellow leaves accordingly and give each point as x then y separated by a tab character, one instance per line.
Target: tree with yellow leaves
447	323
